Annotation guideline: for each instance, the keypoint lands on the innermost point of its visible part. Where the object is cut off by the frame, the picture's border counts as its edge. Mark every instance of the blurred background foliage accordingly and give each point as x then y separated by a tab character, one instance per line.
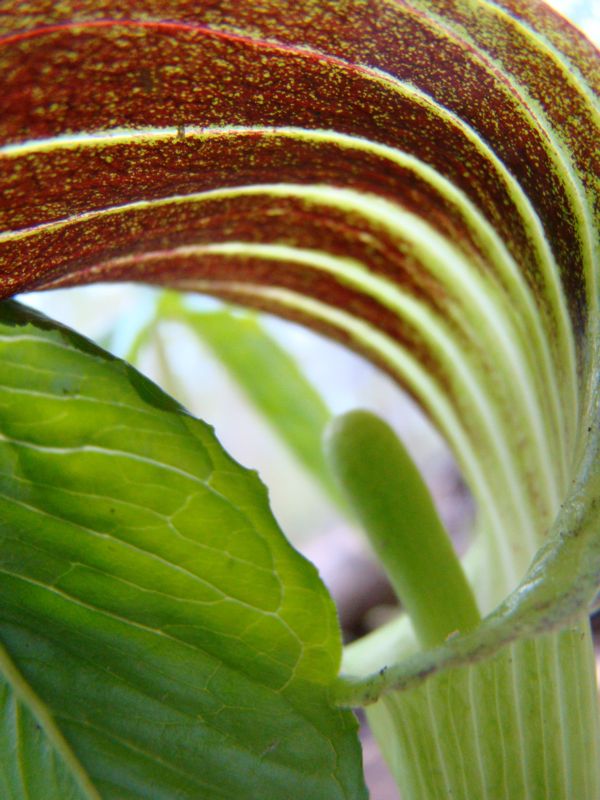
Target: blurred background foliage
268	387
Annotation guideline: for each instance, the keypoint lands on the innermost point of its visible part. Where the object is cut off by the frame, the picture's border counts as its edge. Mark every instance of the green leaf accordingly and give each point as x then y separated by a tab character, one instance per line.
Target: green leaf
160	635
42	763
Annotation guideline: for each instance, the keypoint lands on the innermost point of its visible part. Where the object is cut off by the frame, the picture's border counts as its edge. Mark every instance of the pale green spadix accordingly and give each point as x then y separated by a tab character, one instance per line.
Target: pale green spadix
392	502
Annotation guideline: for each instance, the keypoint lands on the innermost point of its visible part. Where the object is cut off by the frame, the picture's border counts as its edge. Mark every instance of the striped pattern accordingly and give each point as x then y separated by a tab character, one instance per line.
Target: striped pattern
448	236
416	178
400	277
520	725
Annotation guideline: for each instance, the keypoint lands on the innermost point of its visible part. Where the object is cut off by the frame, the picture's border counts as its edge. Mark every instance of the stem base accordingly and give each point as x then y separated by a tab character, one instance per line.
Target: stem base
524	724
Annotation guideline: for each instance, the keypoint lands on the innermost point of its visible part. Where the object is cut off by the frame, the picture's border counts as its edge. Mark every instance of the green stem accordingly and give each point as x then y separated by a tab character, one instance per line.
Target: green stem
391	500
522	725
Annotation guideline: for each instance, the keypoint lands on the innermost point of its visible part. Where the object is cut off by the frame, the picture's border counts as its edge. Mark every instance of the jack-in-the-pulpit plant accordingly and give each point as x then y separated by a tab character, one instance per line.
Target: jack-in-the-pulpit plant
418	180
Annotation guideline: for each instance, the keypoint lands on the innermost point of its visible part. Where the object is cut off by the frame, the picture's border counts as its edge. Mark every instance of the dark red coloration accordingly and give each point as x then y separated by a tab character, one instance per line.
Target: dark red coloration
90	67
162	73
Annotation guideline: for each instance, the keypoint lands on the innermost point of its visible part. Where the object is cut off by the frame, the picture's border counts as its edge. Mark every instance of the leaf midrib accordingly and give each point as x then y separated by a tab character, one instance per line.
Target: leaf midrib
43	716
